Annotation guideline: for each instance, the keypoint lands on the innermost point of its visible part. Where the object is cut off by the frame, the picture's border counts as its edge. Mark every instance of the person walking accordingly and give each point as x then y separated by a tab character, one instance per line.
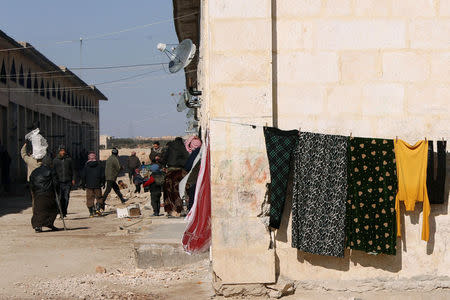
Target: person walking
133	164
155	183
138	180
112	170
92	180
156	152
43	183
5	161
64	168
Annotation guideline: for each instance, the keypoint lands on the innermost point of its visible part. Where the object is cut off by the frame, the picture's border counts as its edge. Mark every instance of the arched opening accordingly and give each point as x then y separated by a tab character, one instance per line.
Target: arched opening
3	73
42	89
36	85
21	77
12	72
47	91
53	89
59	93
29	85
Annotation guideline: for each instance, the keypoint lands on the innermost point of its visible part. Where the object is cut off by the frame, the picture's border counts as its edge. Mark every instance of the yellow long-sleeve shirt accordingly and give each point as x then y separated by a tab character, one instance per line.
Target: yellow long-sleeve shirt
412	181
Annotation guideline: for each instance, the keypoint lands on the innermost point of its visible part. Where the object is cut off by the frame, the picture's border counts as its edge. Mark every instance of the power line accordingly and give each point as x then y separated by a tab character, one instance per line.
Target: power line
103	34
86	68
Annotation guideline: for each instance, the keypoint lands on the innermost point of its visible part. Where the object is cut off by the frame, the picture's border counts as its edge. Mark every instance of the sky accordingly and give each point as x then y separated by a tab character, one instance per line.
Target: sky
143	106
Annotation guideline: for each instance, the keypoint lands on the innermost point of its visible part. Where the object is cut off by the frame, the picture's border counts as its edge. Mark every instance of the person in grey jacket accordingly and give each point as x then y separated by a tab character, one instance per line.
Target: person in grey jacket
112	170
64	169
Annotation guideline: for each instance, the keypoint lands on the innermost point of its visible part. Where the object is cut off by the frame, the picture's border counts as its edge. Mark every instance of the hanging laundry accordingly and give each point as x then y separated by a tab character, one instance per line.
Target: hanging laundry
372	186
320	192
412	181
436	184
197	236
280	145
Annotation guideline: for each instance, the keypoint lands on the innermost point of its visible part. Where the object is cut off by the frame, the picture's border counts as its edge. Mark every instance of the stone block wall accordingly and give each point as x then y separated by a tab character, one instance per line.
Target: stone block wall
376	68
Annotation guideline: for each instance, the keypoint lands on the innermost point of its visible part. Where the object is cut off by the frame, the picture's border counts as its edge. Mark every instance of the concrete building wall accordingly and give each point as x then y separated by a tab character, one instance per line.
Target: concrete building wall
68	113
363	67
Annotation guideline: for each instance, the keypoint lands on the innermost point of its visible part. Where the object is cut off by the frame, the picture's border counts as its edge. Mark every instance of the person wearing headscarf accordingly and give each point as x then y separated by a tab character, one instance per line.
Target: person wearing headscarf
92	180
193	146
43	184
192	143
133	164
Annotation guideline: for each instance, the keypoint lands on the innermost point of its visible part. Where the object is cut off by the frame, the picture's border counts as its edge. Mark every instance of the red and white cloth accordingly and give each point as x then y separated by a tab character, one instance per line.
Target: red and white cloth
197	236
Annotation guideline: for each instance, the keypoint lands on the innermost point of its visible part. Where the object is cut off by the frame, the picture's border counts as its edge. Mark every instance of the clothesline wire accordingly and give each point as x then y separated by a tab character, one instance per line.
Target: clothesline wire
262	126
102	35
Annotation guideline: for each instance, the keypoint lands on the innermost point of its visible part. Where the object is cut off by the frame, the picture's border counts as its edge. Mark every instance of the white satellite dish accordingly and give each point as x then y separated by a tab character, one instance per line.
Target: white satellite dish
180	56
181	105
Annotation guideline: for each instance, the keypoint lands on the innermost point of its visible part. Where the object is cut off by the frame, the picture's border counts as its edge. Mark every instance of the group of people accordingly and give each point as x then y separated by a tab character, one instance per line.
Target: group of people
166	169
51	180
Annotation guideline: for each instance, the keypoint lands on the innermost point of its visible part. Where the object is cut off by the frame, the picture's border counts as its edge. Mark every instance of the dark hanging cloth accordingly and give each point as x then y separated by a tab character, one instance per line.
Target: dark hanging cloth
320	191
372	186
436	184
280	145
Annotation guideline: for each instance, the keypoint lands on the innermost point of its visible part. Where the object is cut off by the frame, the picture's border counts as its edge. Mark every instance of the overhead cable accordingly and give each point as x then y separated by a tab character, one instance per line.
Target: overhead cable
103	34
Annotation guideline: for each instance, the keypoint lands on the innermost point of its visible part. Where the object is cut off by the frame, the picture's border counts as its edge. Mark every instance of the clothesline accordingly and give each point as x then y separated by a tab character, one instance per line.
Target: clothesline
254	126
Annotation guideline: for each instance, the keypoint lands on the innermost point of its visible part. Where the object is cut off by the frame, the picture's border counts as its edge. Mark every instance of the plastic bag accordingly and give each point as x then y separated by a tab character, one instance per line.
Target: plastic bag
197	236
38	142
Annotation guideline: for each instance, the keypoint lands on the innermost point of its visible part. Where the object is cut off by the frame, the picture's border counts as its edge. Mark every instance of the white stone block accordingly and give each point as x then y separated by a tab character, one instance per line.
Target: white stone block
308	67
344	100
239	232
338	8
383	99
428	100
413	8
240	68
300	100
361	34
298	8
251	265
378	8
405	66
294	34
440	67
444	8
241	101
239	9
359	66
430	34
238	35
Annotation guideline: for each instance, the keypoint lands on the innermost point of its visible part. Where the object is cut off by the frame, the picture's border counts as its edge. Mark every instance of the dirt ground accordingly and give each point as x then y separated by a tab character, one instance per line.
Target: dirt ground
62	265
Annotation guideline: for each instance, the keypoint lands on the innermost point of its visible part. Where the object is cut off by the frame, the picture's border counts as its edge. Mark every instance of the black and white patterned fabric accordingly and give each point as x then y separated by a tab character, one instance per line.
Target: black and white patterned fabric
320	190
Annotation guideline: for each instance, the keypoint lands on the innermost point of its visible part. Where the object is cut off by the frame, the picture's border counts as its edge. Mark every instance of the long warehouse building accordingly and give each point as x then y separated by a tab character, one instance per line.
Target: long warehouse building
33	90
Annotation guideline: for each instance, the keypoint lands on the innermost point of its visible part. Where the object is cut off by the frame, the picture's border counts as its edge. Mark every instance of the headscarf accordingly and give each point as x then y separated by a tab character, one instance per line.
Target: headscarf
192	143
92	157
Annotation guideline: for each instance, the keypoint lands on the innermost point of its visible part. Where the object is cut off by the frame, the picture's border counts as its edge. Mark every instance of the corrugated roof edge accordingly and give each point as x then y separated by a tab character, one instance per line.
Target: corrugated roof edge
30	50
